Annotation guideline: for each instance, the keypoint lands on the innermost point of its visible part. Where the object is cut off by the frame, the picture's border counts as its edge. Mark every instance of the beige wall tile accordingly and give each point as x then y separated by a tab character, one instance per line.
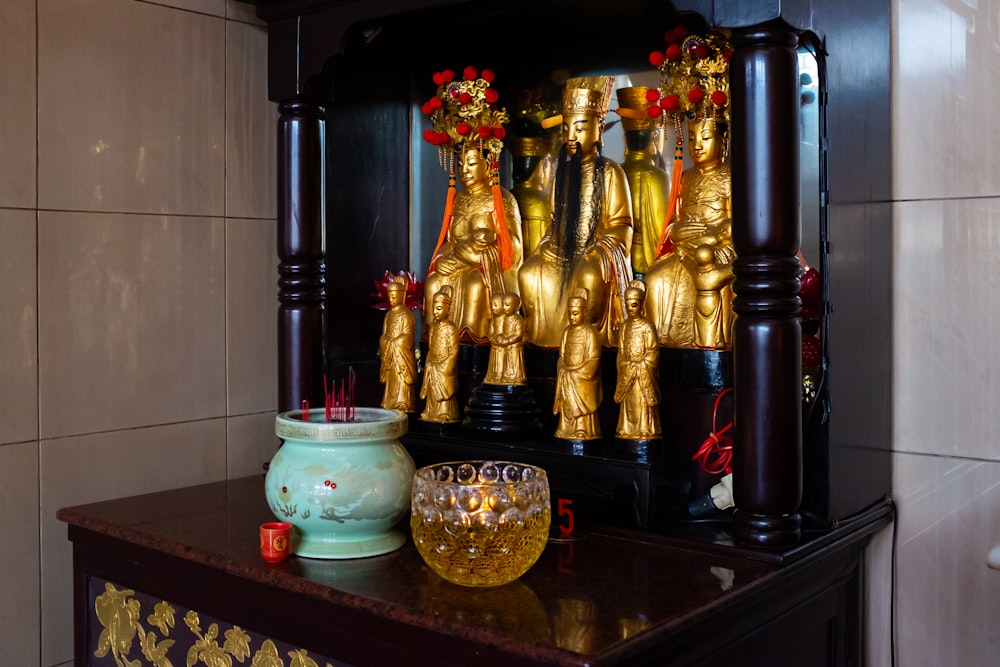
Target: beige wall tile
87	469
19	551
251	444
213	7
132	321
946	377
947	134
946	596
251	316
251	126
18	330
878	599
131	108
17	103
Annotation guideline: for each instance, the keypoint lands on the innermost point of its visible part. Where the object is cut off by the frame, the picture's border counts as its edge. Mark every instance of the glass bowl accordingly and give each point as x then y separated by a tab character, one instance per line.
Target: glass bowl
480	523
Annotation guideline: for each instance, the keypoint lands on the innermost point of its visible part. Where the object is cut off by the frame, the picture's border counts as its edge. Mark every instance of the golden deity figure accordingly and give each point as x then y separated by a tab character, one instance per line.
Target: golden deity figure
637	390
396	351
589	242
578	373
689	294
440	387
506	363
479	249
534	152
648	182
703	222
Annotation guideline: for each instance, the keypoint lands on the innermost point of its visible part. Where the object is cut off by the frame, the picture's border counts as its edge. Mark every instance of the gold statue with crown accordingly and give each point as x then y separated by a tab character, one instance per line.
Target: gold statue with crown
589	242
479	249
689	294
648	182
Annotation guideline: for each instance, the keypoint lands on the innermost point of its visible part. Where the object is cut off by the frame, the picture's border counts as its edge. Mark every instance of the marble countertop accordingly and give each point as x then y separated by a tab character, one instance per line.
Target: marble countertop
599	599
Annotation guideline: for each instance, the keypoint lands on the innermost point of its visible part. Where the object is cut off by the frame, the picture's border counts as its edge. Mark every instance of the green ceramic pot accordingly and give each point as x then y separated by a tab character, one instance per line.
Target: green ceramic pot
344	486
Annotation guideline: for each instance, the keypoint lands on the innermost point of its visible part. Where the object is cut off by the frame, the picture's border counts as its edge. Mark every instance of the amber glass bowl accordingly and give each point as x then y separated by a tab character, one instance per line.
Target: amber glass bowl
480	523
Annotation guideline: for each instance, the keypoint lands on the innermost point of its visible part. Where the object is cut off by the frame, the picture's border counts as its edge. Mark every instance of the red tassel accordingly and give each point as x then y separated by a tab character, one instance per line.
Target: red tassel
449	205
664	244
500	220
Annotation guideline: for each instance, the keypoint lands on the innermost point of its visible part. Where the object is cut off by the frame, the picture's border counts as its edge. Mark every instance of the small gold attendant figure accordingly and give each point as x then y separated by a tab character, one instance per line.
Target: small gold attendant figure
506	365
440	385
637	390
398	370
578	374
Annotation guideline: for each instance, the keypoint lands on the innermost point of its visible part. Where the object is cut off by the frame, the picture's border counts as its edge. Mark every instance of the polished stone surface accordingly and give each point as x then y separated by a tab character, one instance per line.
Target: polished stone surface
582	598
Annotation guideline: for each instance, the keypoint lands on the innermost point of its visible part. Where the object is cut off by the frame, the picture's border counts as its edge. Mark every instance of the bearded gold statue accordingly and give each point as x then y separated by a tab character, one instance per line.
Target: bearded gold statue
702	224
398	369
440	387
469	259
590	239
648	182
578	374
638	385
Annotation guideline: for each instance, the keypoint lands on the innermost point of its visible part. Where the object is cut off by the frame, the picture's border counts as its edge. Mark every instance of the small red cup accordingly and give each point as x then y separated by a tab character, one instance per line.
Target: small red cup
275	541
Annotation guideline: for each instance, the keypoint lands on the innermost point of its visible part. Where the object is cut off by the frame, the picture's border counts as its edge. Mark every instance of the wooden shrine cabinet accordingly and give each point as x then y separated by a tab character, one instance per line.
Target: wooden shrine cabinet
778	582
352	204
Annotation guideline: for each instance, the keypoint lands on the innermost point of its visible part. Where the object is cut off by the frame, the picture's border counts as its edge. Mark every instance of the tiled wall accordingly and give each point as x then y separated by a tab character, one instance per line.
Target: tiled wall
946	378
137	206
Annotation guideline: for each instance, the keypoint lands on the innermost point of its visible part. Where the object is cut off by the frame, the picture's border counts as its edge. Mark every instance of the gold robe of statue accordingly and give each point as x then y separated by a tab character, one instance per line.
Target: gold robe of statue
440	387
638	384
578	375
703	219
469	260
590	239
648	183
506	363
398	370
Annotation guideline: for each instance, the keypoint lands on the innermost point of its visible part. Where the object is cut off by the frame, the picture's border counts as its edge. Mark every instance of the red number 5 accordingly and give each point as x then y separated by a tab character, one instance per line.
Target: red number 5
565	509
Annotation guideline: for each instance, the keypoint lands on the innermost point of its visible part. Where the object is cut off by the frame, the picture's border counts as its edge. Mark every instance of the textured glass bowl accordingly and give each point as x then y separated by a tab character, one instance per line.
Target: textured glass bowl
480	523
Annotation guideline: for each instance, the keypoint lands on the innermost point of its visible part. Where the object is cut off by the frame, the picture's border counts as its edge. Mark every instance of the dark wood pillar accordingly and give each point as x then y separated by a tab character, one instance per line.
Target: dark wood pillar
301	251
767	338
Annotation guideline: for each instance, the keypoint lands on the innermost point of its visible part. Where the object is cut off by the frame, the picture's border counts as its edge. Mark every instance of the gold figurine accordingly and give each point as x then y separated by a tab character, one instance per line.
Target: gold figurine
534	151
398	369
689	293
590	239
479	249
578	374
638	387
703	221
440	387
648	182
506	364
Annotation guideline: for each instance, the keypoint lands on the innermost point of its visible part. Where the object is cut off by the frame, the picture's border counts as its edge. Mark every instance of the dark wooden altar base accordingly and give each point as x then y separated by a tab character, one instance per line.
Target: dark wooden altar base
611	597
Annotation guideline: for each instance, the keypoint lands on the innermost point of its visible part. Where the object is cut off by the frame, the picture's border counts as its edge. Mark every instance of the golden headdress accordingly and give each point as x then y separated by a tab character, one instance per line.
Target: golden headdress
633	105
465	114
586	95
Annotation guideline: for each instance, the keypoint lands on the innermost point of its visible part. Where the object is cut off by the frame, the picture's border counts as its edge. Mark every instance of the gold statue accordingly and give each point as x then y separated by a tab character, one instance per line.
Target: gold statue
398	369
480	248
506	364
638	387
648	182
689	291
578	374
440	387
703	221
590	239
534	152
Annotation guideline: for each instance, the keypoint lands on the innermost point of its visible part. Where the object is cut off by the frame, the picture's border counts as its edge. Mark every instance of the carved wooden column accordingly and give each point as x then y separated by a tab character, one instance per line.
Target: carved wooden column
767	338
301	251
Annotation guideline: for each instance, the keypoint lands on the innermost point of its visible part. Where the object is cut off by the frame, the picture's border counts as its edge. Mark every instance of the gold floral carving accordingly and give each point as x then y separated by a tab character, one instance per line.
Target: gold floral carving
119	614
